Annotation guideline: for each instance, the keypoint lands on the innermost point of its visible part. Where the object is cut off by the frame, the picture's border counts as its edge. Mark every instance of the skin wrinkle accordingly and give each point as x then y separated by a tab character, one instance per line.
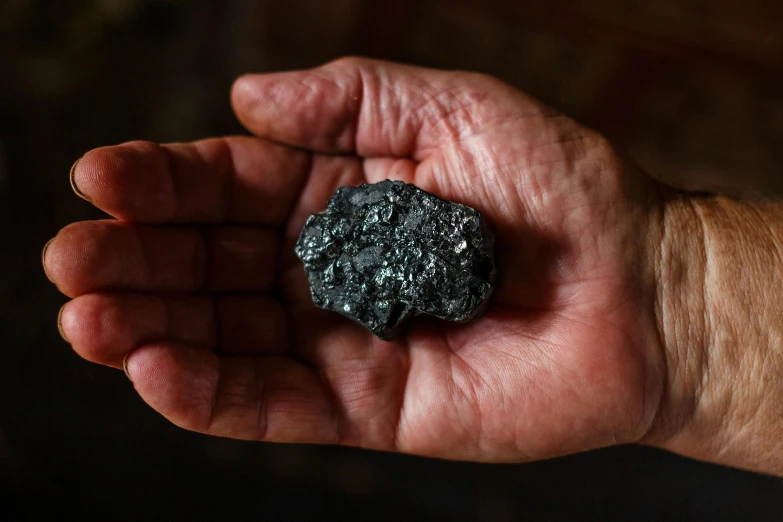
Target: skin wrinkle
622	203
360	97
201	260
461	110
508	175
262	413
166	318
174	186
544	192
379	417
501	170
494	126
214	396
770	232
441	108
403	393
336	412
280	285
306	180
450	177
548	362
199	394
216	329
145	259
445	111
232	401
243	392
659	260
503	120
435	111
419	119
228	181
703	362
275	289
466	376
305	89
756	372
344	136
580	154
386	115
360	386
532	196
730	402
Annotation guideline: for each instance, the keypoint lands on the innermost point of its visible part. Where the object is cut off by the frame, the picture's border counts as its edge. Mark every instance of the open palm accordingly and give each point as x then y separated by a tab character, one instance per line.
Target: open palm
196	287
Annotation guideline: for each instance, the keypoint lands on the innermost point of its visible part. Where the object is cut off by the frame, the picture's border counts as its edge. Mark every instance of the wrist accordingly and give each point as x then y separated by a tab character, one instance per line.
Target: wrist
681	315
718	269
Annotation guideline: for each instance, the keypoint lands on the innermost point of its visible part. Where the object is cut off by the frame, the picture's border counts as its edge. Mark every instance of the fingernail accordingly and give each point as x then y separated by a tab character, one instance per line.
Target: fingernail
74	186
43	257
60	324
125	366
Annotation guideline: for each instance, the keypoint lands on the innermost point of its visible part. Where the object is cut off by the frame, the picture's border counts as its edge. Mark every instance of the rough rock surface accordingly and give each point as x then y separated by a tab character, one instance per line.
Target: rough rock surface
383	253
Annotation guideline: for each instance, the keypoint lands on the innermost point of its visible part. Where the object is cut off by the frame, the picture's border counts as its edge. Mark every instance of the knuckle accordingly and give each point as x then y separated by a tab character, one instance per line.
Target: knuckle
349	62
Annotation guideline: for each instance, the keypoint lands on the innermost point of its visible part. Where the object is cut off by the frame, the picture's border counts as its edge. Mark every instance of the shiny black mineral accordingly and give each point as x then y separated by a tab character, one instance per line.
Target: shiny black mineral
383	253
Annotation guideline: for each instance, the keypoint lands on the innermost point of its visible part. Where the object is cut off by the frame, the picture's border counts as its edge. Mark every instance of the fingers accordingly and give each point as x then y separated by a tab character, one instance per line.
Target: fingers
259	398
98	256
368	107
236	179
104	328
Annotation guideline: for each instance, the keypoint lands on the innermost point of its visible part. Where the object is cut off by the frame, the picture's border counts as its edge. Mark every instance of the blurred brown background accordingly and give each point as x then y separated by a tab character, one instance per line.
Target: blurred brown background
692	89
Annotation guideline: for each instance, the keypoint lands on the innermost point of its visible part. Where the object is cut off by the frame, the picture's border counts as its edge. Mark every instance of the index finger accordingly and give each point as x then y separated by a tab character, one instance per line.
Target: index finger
232	179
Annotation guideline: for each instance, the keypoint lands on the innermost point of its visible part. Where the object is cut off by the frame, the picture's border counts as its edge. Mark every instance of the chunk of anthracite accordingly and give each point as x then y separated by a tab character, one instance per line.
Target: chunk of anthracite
382	253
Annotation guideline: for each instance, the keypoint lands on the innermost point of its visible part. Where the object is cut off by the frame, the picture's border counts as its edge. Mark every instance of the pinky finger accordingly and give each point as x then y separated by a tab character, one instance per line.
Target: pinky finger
254	398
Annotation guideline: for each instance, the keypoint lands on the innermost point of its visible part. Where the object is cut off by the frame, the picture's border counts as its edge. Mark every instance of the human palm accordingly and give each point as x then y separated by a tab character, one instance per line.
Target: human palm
195	286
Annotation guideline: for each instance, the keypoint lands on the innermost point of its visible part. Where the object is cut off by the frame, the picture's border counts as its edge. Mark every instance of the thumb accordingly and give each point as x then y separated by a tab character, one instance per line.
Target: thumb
368	107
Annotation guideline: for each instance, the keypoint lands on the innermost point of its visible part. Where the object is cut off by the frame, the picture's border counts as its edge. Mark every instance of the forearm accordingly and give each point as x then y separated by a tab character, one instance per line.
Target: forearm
720	314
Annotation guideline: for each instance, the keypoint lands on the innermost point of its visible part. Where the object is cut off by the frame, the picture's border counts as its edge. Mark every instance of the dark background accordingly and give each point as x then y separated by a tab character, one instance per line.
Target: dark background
693	89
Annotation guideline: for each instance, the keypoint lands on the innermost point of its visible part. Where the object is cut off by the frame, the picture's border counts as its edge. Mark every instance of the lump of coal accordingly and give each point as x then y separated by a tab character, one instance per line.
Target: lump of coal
383	253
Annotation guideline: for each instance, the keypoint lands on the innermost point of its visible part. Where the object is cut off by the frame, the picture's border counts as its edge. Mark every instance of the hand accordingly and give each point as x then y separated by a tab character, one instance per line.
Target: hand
196	288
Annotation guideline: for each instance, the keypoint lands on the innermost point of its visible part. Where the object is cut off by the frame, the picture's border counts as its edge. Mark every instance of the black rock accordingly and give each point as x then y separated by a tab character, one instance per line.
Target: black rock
383	253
